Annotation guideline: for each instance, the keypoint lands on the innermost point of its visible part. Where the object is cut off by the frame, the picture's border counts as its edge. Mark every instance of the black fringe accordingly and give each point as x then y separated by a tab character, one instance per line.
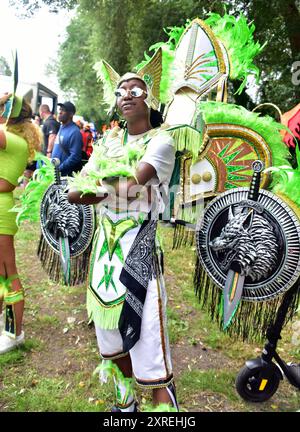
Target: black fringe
183	237
252	319
51	264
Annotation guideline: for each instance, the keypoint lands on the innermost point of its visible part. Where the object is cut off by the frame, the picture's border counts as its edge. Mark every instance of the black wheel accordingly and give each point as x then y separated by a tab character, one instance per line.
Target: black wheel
249	382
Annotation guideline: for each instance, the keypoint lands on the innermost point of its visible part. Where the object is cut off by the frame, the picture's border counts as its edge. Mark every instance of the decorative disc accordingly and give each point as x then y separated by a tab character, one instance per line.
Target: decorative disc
261	238
59	218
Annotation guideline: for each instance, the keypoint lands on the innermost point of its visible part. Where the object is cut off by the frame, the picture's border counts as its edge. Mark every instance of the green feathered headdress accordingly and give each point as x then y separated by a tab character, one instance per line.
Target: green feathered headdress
233	51
200	54
150	74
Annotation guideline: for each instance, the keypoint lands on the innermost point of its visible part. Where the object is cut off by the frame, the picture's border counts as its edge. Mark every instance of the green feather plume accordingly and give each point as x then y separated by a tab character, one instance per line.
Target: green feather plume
168	56
237	37
30	200
122	166
267	127
108	369
109	78
286	182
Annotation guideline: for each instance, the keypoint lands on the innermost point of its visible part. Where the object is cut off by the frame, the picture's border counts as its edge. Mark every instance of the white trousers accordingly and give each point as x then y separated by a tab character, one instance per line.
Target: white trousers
150	356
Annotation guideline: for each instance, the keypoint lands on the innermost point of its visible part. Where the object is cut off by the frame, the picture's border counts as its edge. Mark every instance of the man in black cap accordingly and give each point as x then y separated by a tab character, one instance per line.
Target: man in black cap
68	143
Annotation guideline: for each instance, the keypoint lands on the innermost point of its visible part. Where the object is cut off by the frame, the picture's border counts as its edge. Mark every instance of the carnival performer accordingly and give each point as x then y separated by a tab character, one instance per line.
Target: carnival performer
126	295
19	138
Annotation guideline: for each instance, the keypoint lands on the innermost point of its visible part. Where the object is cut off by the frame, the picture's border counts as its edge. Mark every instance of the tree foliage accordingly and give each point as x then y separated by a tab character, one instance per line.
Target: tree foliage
27	8
279	26
120	31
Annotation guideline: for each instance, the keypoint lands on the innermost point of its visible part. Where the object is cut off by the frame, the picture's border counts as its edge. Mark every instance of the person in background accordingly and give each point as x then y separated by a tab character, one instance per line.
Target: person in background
93	130
30	167
37	120
87	138
68	143
19	139
50	129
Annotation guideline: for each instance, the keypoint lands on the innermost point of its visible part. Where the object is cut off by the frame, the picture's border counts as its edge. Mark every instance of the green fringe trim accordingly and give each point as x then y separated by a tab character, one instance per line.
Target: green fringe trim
103	317
251	320
267	127
187	139
190	212
183	236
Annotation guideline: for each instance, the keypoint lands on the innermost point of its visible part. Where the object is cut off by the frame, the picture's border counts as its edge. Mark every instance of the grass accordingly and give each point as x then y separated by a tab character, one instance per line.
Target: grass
220	382
53	371
177	326
51	395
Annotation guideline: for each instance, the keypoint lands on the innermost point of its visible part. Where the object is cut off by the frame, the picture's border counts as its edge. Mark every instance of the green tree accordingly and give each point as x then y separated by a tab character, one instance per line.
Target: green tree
121	30
27	8
4	67
75	69
136	25
278	24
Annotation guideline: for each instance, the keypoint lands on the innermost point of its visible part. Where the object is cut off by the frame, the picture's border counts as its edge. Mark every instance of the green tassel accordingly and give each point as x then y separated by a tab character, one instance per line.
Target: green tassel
187	138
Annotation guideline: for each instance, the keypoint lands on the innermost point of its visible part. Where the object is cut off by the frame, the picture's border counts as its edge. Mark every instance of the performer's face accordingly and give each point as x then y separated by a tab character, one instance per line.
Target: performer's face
130	105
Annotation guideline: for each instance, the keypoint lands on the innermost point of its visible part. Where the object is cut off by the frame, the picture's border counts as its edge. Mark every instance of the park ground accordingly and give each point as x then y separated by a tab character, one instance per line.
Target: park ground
53	371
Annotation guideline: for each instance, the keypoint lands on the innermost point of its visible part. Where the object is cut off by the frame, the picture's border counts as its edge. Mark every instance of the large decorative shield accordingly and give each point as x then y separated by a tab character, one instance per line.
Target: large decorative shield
267	249
60	219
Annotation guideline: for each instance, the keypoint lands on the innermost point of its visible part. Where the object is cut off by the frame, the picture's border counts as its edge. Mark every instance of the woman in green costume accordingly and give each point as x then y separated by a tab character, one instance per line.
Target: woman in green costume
126	295
19	138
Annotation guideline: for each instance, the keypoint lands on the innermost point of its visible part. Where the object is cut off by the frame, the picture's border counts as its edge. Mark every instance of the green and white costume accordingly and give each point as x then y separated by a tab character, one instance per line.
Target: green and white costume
117	230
